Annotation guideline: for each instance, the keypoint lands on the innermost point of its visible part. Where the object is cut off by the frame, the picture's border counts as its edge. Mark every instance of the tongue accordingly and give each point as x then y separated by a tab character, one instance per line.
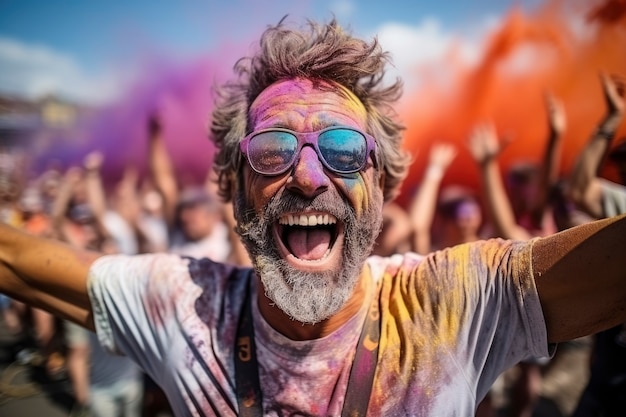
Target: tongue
308	244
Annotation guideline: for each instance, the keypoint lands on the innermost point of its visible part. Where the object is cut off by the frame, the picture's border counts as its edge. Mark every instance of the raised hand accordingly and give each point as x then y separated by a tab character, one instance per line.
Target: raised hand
483	143
613	87
441	155
93	161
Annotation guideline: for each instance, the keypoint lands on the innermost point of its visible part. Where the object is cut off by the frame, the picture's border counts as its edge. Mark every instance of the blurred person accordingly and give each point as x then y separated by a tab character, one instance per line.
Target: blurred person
396	232
10	187
605	393
118	212
35	221
454	207
104	385
9	214
597	196
307	135
196	219
151	225
73	219
423	205
22	206
48	184
461	218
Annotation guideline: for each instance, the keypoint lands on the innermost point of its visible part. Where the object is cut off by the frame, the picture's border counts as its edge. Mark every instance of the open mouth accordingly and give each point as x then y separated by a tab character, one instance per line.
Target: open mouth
308	237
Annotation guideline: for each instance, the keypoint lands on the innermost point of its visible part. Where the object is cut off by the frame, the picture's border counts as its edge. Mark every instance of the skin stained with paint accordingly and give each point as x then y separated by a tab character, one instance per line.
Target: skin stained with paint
301	106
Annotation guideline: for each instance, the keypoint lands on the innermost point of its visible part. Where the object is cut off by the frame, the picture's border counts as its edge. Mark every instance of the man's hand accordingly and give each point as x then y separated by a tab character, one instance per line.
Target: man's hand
483	144
93	161
441	155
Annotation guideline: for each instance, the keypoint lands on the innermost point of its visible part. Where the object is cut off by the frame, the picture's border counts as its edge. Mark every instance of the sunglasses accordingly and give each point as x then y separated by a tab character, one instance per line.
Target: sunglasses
342	150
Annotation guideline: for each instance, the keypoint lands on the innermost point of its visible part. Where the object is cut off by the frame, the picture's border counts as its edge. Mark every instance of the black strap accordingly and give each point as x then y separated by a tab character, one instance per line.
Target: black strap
364	366
249	395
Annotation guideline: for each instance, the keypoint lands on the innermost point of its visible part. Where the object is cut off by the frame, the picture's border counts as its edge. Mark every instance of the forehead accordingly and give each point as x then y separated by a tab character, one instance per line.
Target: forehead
304	105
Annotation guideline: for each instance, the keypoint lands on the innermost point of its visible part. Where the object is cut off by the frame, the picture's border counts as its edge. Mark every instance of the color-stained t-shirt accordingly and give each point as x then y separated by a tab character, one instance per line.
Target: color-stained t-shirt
451	322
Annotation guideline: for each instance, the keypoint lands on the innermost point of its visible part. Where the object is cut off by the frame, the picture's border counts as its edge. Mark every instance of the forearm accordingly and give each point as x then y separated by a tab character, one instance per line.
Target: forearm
162	173
45	273
423	206
498	203
588	164
95	192
549	173
581	278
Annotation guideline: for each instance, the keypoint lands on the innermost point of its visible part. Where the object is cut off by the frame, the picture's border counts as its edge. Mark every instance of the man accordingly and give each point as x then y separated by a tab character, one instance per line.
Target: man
309	150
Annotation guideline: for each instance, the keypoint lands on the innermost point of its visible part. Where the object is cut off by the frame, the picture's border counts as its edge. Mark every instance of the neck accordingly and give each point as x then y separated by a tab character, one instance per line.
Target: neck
296	330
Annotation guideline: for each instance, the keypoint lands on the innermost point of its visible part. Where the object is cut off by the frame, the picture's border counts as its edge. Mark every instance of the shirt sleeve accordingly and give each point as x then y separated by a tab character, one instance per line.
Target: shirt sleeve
488	293
129	296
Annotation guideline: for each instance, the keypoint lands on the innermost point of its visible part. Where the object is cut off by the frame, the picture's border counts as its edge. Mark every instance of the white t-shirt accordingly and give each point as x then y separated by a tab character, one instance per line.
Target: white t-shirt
215	246
451	322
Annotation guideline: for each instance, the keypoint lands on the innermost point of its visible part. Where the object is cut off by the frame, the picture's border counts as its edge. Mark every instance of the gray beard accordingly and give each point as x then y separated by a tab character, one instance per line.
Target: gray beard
308	297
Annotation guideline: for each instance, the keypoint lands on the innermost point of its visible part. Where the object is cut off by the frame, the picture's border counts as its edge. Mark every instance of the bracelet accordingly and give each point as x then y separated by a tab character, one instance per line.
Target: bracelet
606	134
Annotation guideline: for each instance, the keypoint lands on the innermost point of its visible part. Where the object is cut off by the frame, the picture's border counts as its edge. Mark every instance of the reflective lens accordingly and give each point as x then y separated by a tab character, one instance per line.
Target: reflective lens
273	151
343	150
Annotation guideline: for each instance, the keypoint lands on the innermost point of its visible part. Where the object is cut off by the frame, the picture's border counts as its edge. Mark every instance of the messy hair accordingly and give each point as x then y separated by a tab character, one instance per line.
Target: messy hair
324	52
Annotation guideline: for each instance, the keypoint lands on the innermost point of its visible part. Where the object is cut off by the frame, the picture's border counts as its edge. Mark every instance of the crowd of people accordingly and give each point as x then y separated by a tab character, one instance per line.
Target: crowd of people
215	220
135	215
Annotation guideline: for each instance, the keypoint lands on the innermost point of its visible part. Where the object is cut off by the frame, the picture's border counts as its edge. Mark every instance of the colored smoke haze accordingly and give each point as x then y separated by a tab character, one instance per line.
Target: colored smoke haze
181	93
559	48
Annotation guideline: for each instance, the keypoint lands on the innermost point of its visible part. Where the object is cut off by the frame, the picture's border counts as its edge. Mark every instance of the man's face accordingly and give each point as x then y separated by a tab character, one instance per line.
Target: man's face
309	271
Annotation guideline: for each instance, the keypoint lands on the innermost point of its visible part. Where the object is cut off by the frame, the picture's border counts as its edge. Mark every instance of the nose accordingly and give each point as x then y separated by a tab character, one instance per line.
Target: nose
309	177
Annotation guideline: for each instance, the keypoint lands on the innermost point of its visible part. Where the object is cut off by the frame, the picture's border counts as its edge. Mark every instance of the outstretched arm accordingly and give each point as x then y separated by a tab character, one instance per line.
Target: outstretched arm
576	299
485	148
46	274
424	204
584	183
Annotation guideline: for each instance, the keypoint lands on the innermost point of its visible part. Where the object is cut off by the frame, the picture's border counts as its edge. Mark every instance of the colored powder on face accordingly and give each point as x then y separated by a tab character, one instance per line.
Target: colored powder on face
559	48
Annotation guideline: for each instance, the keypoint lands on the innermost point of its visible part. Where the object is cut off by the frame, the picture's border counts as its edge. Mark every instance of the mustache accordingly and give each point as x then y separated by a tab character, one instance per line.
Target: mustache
327	202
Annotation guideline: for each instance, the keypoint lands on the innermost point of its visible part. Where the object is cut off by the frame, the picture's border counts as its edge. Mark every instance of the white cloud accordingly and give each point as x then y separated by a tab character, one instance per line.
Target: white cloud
428	43
33	70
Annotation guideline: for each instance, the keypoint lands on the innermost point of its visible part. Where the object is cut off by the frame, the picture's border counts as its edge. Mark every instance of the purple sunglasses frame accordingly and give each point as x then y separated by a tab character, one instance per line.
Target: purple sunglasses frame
310	138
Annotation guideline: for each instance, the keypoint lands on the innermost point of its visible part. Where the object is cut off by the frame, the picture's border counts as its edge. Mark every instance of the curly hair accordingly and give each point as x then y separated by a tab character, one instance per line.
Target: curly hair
325	52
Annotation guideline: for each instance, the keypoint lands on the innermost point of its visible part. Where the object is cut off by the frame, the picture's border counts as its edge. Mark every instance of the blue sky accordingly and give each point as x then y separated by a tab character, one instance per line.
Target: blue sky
88	50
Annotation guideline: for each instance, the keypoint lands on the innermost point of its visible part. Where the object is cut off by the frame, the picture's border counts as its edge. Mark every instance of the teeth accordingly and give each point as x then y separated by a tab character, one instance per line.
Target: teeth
307	220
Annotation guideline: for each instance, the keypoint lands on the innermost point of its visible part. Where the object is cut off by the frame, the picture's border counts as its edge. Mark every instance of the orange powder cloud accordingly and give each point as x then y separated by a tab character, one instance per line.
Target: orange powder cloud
560	48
